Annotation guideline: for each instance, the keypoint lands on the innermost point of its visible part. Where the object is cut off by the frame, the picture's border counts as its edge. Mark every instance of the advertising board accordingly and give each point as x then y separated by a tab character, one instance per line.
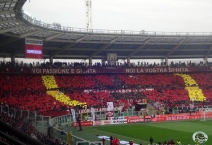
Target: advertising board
33	48
83	123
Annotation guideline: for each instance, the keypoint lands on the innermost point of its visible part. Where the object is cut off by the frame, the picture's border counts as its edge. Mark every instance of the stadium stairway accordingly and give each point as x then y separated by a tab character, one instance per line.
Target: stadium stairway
195	93
50	83
151	109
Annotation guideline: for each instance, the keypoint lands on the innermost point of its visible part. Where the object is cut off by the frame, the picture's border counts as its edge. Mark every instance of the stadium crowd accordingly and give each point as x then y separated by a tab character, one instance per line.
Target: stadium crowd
49	93
29	92
98	64
116	141
25	124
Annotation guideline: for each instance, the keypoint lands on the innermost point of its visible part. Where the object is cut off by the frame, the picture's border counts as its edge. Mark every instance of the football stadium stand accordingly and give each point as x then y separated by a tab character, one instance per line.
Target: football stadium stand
49	94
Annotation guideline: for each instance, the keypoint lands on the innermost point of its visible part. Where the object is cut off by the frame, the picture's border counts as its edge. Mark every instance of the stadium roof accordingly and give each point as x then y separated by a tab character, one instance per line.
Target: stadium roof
69	42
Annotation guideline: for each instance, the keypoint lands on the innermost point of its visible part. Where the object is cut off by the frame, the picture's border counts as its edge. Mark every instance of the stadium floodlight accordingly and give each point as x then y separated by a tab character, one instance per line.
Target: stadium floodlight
88	14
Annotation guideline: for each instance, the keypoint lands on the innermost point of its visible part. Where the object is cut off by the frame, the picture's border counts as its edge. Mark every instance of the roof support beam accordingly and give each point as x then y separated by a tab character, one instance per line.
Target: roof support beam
139	47
9	29
175	47
114	40
126	50
9	40
63	49
120	42
103	47
100	49
23	36
28	34
52	37
80	39
8	21
11	35
6	1
124	39
209	51
6	12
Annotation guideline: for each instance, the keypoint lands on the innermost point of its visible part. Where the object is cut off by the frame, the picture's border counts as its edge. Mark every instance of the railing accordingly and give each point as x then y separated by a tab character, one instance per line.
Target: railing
38	120
63	123
58	27
57	124
57	127
56	131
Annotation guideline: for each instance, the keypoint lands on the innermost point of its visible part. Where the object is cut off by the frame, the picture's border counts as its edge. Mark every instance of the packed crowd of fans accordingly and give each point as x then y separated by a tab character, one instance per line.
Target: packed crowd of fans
98	64
29	91
23	123
60	92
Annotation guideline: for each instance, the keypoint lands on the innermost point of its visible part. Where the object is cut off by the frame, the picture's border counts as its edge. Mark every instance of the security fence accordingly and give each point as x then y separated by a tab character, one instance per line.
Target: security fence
37	120
61	126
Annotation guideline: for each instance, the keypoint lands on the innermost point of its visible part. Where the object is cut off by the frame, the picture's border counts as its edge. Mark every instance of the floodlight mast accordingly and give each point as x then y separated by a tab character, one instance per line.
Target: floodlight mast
88	13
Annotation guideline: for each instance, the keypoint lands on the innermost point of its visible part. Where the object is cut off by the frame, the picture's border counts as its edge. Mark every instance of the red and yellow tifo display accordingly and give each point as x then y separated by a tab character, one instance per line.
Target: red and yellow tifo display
194	92
50	83
57	92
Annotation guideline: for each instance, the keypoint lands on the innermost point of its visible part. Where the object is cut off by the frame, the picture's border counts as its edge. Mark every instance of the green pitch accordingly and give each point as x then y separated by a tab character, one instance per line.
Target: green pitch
140	133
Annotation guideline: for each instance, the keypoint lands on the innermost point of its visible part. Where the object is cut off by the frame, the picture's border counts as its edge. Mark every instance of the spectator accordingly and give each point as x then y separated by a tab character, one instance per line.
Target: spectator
103	141
131	142
111	140
151	140
179	142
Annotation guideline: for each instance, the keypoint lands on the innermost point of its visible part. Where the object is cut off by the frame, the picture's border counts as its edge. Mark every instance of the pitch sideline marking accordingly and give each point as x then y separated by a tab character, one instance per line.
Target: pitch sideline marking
120	135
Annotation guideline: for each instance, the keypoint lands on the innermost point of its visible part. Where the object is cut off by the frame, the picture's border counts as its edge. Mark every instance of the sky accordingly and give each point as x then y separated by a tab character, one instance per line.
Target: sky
137	15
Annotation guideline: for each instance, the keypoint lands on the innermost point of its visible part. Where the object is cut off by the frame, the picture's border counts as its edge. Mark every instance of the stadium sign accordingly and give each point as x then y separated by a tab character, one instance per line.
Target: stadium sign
157	70
106	70
62	71
33	48
183	116
116	70
108	122
96	110
83	123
